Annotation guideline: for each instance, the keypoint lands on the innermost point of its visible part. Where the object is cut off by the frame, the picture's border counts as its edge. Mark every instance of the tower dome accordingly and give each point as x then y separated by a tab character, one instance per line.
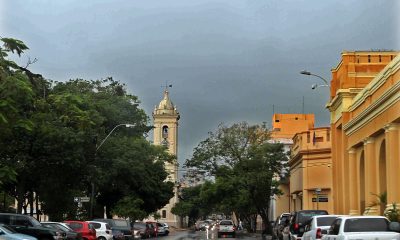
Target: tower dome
165	106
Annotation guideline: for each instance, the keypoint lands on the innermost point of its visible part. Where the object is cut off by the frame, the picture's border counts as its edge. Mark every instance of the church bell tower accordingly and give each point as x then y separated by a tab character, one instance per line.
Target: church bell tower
166	117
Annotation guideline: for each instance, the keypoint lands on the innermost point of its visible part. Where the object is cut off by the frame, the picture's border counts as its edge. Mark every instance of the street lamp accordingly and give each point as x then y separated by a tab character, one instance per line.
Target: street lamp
128	125
314	86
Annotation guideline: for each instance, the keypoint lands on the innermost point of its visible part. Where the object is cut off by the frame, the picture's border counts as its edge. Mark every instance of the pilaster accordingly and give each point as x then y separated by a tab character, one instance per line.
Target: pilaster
353	182
392	162
371	186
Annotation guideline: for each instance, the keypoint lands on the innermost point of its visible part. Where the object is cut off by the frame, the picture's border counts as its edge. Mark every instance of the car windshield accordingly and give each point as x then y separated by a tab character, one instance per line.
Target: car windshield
325	221
121	223
7	229
305	216
366	225
34	222
225	223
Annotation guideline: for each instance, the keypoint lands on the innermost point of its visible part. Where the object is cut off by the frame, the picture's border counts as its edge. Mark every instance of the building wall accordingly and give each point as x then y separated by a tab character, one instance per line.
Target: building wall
284	128
311	169
365	131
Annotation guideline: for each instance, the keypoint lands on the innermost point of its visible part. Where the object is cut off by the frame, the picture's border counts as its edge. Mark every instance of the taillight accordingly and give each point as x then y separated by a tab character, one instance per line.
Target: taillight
296	226
319	233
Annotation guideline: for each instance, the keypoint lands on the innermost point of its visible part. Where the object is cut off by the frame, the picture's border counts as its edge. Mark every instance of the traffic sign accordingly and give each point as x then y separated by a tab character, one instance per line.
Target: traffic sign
81	199
84	199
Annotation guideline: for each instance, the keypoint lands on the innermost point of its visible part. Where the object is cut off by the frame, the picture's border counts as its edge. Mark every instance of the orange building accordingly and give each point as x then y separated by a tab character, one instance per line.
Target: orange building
365	118
310	170
284	128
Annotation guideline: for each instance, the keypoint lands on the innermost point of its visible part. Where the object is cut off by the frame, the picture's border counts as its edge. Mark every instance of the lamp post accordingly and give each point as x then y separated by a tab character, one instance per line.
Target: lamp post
314	86
95	155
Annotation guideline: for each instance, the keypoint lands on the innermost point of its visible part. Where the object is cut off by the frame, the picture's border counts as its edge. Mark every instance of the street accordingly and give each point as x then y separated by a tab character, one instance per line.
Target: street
201	235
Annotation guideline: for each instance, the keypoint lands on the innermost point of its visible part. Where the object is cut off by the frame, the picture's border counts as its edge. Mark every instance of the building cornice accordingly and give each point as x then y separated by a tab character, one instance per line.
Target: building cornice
385	101
338	105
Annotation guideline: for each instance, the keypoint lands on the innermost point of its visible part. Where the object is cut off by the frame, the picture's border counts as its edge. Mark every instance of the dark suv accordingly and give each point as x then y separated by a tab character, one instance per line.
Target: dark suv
29	225
118	227
299	219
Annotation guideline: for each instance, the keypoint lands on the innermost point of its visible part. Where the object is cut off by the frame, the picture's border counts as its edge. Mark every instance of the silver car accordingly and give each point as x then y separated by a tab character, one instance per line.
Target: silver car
7	233
317	226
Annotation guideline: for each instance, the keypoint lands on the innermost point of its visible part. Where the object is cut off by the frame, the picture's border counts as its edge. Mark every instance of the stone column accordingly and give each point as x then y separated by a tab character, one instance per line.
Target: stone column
371	173
353	182
392	163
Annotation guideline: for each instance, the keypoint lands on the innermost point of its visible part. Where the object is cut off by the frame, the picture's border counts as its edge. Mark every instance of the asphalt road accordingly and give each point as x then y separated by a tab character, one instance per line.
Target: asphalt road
184	235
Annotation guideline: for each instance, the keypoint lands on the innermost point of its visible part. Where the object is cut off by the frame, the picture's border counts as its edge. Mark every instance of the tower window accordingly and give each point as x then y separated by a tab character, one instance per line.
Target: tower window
380	58
165	131
369	58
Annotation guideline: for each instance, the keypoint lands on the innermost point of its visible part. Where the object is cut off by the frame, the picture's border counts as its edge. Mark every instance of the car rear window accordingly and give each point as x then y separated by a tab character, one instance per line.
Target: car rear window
121	223
325	221
366	225
139	226
284	219
108	226
96	225
303	217
75	226
225	223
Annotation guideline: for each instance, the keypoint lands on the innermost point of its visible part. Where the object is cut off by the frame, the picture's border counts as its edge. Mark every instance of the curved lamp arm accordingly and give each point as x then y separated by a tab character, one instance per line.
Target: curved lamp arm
304	72
123	124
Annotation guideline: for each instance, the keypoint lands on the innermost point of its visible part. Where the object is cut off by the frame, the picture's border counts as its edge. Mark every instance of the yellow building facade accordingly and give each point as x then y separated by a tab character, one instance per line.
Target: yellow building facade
311	170
284	128
365	118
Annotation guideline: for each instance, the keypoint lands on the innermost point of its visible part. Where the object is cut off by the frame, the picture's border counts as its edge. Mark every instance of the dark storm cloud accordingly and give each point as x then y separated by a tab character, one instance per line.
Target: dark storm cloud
228	60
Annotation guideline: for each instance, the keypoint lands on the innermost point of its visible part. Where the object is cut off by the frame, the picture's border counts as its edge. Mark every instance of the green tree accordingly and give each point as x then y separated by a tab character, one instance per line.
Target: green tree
49	131
245	166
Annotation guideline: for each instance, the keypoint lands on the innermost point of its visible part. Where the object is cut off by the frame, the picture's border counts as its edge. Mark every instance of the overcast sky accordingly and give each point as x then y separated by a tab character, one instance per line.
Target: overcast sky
228	60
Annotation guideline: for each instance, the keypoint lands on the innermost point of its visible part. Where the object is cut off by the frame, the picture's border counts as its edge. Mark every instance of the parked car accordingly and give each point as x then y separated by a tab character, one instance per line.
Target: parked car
363	227
318	226
298	220
70	234
281	222
142	230
7	233
226	227
28	225
119	227
198	225
103	230
86	229
162	230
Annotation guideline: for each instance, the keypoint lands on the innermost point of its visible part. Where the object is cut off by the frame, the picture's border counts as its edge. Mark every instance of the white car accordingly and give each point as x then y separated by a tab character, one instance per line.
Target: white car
317	226
103	230
363	227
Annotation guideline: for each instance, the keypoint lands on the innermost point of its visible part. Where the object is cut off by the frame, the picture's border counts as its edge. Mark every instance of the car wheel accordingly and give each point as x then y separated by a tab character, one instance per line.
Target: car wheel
101	238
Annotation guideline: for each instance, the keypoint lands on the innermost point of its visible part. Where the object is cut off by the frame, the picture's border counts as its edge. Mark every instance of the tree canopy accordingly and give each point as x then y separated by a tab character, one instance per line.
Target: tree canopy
245	166
50	134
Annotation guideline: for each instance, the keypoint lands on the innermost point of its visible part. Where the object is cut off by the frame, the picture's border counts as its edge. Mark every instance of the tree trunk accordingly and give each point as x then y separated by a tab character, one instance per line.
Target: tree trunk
20	196
31	203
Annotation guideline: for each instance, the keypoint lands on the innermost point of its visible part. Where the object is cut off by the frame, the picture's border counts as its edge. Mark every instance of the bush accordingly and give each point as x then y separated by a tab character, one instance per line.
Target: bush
393	214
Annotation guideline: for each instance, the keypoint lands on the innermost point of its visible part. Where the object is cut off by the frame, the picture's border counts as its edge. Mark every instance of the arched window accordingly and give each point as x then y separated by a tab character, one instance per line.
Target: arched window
165	132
